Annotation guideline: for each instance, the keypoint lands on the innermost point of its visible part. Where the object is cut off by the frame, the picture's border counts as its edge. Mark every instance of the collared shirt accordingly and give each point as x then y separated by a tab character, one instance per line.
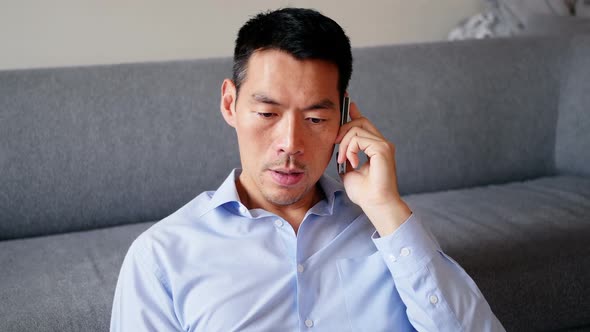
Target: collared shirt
215	265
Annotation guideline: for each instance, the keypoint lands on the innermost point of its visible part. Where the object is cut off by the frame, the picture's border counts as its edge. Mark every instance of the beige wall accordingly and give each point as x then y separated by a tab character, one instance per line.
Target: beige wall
80	32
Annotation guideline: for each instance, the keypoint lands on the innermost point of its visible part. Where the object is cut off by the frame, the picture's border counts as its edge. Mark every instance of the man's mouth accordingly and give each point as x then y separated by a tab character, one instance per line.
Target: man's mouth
287	171
287	177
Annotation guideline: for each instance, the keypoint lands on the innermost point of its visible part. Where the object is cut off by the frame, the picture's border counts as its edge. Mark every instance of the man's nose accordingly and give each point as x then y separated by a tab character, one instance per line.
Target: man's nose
291	136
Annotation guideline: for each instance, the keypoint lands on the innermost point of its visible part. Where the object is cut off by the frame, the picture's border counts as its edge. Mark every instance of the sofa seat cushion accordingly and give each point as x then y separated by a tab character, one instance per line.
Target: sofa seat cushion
524	243
62	282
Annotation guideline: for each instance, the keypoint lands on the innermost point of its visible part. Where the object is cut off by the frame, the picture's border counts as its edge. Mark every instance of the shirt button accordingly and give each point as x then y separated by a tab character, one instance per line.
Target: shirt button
308	322
300	268
243	209
433	299
392	258
404	252
279	223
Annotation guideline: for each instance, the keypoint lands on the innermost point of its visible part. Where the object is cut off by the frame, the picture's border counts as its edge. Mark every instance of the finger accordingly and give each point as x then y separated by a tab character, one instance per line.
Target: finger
349	166
357	121
352	152
370	146
360	123
353	132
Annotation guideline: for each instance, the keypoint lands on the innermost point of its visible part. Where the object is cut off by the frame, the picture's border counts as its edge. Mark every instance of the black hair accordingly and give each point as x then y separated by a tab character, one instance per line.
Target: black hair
303	33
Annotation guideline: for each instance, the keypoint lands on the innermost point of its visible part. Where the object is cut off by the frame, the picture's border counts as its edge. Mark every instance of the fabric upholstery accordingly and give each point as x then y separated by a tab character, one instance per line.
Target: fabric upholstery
572	147
516	241
121	131
62	282
545	25
524	243
464	114
92	147
493	150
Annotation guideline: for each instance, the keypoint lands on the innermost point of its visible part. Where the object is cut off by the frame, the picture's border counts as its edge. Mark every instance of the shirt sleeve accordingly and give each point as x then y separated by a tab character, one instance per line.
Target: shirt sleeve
142	300
438	293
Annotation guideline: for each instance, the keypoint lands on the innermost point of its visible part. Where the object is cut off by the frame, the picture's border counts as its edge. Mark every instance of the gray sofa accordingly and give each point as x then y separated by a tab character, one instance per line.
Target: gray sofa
493	151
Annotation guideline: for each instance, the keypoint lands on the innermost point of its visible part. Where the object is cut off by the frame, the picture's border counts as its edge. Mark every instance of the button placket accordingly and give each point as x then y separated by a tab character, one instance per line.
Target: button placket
405	252
433	299
300	268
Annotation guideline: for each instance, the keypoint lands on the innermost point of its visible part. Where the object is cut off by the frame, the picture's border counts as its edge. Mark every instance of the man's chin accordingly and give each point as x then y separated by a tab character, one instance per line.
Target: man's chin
280	194
283	199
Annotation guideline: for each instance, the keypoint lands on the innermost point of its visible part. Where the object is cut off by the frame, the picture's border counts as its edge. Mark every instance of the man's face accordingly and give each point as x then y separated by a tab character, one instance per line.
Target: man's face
286	118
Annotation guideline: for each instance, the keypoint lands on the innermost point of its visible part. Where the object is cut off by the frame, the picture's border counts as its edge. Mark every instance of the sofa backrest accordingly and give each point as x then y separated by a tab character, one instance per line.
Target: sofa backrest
465	113
97	146
91	147
572	146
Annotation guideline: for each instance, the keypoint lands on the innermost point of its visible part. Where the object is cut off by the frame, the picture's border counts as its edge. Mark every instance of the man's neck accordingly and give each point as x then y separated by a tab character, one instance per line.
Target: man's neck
292	213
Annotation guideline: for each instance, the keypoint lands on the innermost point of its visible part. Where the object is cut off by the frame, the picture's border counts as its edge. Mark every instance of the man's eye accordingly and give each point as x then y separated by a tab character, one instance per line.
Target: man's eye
266	115
316	120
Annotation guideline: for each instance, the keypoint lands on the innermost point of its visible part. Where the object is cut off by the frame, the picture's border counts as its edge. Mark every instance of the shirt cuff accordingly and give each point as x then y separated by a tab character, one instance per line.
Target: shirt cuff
407	250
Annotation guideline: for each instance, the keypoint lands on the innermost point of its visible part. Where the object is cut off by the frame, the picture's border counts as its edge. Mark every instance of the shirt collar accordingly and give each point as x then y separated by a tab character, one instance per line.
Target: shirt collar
330	187
227	194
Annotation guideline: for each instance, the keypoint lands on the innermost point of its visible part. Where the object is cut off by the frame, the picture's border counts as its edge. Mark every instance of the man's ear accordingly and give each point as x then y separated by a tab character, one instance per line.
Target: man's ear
228	104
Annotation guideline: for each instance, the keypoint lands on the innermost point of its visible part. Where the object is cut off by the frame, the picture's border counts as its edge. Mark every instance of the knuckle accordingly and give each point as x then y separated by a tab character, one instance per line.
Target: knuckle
391	146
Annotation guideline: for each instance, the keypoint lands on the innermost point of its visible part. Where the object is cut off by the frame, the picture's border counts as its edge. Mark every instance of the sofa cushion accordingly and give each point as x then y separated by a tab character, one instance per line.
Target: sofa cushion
524	243
91	147
98	146
546	25
466	113
62	282
572	145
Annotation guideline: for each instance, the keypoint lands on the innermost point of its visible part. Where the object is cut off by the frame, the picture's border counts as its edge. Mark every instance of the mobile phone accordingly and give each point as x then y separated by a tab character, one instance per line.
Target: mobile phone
344	118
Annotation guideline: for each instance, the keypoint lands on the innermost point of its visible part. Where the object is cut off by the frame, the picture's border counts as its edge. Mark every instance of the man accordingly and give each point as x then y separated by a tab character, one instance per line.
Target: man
279	246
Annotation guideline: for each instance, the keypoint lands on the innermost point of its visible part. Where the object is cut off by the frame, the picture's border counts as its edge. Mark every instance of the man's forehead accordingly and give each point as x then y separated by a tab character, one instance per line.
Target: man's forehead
278	69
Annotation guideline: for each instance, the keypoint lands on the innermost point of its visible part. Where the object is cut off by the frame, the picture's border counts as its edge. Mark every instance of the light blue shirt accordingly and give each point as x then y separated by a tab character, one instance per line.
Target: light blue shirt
214	265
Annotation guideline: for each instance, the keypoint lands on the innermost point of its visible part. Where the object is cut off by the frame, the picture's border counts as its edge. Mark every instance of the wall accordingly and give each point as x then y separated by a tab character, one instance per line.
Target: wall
81	32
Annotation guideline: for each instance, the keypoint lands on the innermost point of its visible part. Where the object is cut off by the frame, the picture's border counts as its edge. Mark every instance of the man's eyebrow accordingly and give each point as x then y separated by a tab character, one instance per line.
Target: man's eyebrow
264	99
324	104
